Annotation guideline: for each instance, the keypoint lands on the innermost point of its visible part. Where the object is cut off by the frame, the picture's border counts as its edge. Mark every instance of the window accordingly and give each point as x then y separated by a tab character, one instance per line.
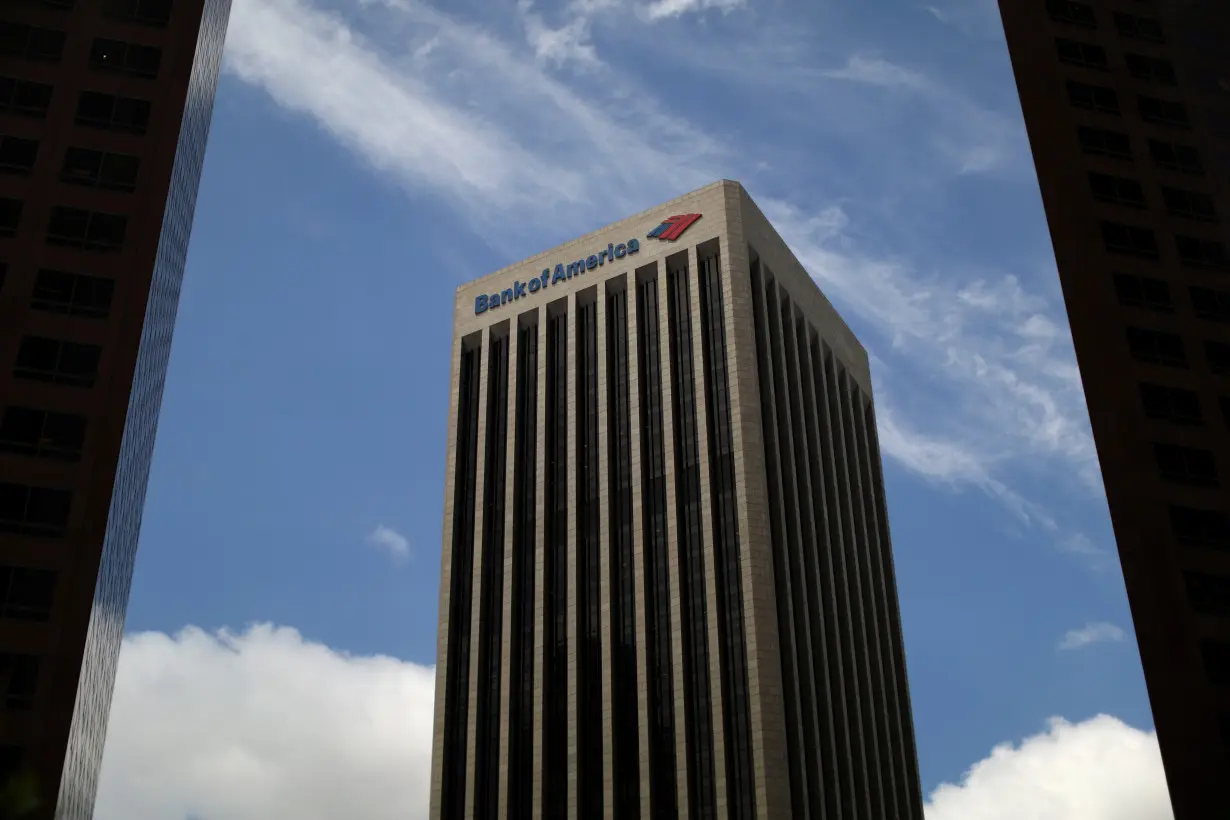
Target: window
1224	401
1172	404
19	677
28	510
1209	594
41	433
27	593
1151	69
1189	204
113	113
1116	190
4	273
1143	291
1173	157
50	360
1085	55
10	216
1218	356
1093	97
1186	465
1211	304
10	760
1202	253
1129	240
31	42
1101	142
1200	528
1216	655
24	97
145	12
1156	347
97	169
127	58
1163	112
1068	11
91	230
17	155
1139	28
75	294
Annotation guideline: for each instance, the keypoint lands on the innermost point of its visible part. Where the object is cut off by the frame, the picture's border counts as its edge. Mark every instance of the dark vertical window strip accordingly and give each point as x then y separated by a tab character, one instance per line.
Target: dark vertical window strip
909	749
457	676
838	772
843	575
624	725
781	563
491	586
780	310
727	560
892	745
868	643
697	699
663	787
521	652
825	787
588	569
555	579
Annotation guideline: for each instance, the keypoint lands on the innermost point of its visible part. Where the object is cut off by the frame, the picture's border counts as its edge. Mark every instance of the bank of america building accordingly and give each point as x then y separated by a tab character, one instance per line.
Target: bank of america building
667	586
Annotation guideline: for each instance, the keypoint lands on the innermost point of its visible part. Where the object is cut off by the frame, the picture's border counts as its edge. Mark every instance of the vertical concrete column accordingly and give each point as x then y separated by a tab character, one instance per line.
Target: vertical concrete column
540	519
476	577
700	365
604	529
755	536
446	564
573	529
638	535
510	440
672	540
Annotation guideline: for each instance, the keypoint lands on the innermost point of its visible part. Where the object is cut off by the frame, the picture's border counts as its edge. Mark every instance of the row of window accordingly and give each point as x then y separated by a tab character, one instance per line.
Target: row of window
1131	240
37	43
1154	294
18	680
156	13
70	227
1161	347
109	112
1170	156
1177	405
69	294
28	510
82	166
1140	66
1179	202
1130	26
1105	100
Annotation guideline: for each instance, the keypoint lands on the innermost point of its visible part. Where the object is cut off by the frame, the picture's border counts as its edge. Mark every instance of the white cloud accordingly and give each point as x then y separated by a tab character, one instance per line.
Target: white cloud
1100	769
391	541
1091	633
264	725
663	9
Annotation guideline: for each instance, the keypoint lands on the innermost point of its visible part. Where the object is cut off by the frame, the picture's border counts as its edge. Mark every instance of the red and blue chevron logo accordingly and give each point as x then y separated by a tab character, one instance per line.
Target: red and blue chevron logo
673	227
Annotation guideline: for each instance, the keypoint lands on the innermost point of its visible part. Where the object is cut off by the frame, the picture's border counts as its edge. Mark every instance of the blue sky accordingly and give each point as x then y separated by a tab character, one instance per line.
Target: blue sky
367	157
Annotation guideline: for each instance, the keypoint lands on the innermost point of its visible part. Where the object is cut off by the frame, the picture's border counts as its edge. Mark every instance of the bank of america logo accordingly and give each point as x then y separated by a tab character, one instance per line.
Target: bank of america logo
673	227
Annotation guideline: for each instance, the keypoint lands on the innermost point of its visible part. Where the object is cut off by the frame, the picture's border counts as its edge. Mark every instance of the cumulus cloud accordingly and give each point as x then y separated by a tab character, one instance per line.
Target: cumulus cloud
267	725
1091	633
264	725
1100	769
391	541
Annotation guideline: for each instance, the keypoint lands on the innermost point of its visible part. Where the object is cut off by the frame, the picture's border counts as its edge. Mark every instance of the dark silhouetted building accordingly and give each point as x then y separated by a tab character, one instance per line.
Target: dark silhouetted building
1127	105
105	107
667	585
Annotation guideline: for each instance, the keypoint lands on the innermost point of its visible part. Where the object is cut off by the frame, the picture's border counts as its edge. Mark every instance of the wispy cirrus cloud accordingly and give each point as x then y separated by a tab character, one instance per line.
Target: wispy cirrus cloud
1091	633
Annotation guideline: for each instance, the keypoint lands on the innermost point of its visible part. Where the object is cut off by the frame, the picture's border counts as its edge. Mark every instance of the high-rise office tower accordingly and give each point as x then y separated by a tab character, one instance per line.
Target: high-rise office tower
105	107
667	582
1127	106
